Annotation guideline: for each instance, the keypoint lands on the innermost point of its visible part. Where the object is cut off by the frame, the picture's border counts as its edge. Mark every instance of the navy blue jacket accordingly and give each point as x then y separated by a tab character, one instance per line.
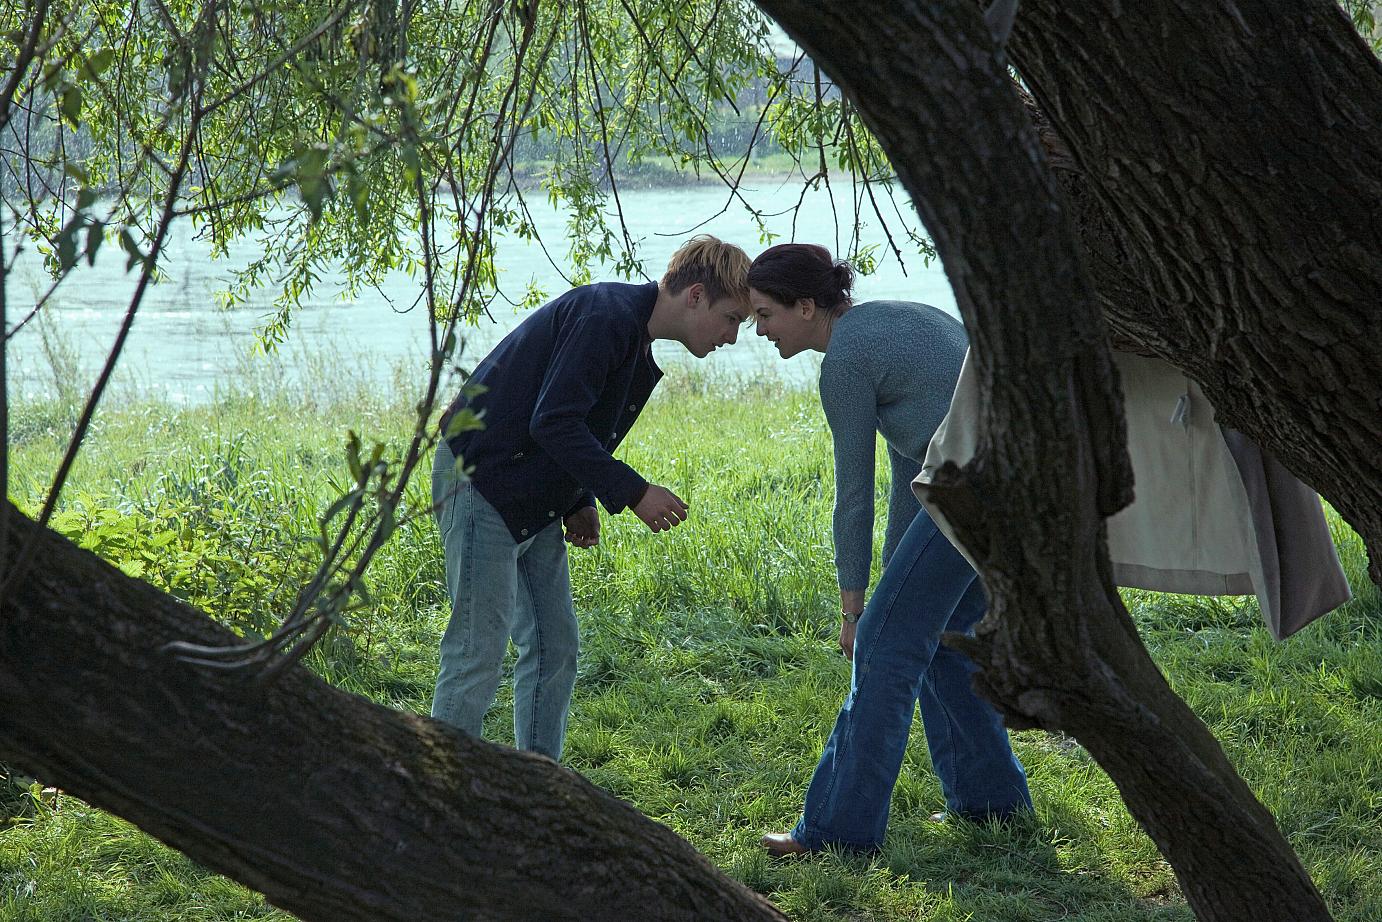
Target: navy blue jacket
562	391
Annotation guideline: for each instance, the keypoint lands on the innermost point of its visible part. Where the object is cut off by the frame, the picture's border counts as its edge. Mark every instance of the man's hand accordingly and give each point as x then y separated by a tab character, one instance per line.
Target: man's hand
847	639
660	508
583	527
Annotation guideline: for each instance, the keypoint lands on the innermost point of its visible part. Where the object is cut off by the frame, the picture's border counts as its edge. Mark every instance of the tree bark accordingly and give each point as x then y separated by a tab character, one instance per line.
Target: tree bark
1234	148
335	808
1058	649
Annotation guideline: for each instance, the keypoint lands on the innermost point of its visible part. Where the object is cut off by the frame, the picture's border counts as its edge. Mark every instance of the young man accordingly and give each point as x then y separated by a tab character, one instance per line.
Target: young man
559	394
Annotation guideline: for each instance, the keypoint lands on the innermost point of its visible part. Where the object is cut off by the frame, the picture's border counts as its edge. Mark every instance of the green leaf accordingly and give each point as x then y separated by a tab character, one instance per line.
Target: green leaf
313	183
52	77
412	163
129	246
335	508
353	456
97	63
357	190
71	105
67	242
95	236
465	420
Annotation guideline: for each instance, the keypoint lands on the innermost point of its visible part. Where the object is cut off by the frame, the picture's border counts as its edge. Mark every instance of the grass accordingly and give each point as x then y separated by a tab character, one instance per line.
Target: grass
707	680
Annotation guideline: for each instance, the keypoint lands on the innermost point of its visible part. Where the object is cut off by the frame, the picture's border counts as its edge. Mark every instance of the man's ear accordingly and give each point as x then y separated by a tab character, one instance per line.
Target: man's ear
695	294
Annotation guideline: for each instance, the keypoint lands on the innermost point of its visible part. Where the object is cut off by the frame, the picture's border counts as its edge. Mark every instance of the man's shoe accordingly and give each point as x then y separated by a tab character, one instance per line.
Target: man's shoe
782	845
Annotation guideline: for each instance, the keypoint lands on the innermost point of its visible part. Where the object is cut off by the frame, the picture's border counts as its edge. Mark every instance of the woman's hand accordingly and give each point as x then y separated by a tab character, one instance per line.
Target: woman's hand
847	639
852	606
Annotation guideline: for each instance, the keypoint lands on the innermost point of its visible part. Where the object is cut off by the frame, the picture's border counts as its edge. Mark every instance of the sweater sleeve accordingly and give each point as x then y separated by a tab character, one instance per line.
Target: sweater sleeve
586	353
902	505
851	410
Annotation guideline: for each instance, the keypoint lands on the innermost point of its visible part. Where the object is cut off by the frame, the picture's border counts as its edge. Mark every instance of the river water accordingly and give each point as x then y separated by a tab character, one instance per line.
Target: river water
183	347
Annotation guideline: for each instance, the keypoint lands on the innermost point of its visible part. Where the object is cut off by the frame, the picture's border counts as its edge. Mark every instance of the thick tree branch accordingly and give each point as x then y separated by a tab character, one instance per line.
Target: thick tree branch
335	808
1058	649
1231	169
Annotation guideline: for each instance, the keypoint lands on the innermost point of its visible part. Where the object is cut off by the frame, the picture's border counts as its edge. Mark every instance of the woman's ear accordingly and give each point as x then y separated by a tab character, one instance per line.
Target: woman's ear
807	306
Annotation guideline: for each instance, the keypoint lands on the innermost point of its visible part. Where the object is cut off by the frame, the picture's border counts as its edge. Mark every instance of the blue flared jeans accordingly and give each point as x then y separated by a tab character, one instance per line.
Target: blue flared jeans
501	588
899	663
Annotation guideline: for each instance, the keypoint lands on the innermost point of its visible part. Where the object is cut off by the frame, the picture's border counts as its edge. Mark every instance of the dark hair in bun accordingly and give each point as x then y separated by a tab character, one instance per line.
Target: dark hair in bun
791	271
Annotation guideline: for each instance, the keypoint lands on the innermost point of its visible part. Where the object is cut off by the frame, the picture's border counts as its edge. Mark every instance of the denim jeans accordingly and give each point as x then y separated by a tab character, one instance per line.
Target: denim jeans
926	589
499	589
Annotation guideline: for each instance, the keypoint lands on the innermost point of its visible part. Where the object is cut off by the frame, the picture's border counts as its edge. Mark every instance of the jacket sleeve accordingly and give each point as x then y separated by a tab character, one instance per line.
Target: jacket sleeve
851	409
587	351
587	499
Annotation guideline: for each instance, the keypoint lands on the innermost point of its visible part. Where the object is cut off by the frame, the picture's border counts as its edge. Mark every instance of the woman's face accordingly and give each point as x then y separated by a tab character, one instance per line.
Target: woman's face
793	328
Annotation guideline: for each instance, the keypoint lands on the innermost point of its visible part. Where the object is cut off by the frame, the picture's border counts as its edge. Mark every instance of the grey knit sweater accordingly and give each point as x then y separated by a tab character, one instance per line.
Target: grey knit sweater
890	367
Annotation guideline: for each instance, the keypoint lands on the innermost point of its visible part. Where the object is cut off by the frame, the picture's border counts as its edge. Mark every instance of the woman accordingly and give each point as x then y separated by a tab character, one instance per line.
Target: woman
890	367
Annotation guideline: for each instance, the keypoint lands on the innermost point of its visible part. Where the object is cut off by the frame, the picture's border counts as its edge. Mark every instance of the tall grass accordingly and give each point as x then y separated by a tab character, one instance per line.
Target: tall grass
708	675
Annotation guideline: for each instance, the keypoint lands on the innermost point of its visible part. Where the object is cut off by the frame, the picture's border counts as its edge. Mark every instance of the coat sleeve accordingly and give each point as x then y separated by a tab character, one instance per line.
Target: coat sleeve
587	351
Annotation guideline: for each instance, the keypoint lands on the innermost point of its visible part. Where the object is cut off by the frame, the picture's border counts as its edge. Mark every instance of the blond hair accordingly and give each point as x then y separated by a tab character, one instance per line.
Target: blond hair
721	267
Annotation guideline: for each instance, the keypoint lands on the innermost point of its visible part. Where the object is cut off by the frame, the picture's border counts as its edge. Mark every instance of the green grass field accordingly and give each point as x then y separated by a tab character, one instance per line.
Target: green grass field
709	675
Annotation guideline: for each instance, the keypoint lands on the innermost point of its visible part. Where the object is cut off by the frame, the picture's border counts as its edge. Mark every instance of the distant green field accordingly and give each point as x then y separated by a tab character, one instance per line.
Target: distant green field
709	676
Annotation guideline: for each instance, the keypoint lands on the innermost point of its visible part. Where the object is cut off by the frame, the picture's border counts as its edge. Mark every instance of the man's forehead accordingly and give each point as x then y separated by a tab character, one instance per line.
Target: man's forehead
740	309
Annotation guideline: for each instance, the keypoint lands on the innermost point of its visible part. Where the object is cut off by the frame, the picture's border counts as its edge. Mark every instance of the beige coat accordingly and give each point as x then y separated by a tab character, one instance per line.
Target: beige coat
1213	514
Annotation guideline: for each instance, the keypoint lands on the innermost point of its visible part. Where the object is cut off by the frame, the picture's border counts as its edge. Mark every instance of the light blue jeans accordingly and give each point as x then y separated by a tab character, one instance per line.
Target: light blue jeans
928	588
499	589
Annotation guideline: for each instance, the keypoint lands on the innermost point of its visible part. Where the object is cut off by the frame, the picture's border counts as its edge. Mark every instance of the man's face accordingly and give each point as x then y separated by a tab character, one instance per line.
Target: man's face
712	324
789	327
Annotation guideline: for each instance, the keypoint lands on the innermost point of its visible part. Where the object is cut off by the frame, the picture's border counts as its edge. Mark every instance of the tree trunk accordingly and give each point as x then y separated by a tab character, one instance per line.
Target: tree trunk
335	808
1235	149
1058	649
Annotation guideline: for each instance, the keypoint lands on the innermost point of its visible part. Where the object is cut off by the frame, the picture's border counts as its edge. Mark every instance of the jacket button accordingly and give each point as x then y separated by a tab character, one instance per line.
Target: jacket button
551	515
524	532
632	407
